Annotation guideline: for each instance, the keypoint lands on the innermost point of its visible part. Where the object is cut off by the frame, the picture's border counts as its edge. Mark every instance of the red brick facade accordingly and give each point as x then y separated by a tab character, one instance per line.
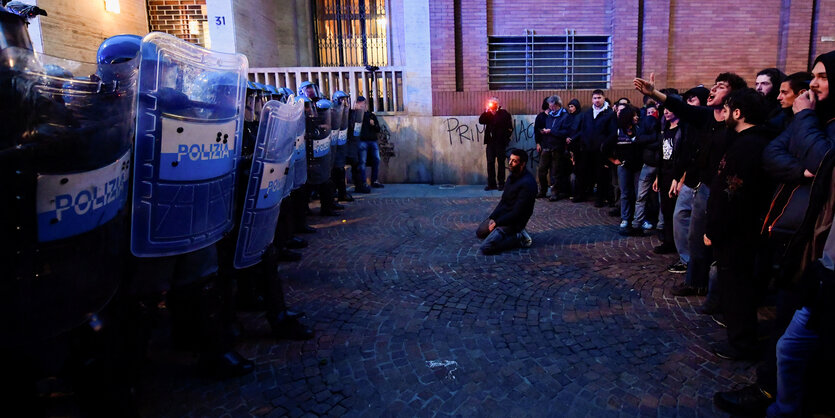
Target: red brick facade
684	43
175	16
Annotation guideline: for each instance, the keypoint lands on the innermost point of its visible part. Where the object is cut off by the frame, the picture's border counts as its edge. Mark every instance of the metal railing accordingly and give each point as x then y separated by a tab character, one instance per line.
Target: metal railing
382	88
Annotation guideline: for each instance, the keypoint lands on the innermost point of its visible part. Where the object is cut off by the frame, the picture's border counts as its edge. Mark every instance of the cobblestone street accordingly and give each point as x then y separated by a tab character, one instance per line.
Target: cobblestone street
411	320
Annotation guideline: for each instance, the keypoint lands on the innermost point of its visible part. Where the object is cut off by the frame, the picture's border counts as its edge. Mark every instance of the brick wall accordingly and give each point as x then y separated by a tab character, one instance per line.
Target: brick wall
825	27
74	29
474	44
742	39
442	50
185	19
685	43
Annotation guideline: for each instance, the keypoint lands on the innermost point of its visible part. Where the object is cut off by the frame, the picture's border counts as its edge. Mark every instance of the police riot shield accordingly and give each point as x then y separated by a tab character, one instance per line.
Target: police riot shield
318	142
338	143
268	177
65	152
299	160
188	138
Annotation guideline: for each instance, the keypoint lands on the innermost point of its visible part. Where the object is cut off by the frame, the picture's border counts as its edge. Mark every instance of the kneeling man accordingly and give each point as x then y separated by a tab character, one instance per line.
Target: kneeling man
505	228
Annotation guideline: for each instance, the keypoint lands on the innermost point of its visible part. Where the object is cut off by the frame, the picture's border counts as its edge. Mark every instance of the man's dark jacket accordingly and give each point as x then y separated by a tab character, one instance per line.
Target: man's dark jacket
538	125
706	140
497	128
595	133
555	140
800	147
516	206
369	132
739	195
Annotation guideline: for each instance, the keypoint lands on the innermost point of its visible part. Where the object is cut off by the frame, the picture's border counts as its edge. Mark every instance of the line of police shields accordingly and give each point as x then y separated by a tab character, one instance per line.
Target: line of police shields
172	111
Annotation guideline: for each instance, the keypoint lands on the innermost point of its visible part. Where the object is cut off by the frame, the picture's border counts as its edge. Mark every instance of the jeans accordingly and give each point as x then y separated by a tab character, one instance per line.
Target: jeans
628	181
794	349
700	255
500	239
364	147
681	223
645	193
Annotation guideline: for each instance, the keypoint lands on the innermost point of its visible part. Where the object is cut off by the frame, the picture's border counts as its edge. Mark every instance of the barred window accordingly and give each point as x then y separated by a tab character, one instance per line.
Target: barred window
351	32
537	62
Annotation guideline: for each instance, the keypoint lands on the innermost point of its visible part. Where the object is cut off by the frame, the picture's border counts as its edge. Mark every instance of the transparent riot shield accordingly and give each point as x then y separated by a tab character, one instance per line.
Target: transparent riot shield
299	160
318	143
65	153
274	148
188	138
336	136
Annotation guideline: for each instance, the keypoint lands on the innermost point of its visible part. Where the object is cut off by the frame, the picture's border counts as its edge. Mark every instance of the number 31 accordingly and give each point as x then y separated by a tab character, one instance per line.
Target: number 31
220	20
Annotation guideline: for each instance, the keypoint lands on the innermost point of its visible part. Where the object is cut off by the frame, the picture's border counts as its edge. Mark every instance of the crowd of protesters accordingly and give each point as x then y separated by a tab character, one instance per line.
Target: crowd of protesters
737	183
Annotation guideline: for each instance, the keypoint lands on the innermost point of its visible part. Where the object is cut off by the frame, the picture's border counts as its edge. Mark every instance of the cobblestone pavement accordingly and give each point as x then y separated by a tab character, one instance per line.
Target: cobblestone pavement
412	320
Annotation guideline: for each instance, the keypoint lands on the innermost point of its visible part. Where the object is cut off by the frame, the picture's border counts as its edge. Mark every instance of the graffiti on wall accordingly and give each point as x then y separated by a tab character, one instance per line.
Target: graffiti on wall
460	132
386	146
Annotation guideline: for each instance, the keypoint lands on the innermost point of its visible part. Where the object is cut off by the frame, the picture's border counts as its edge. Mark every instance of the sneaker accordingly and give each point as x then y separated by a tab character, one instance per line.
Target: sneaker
541	195
362	188
488	188
677	268
646	226
687	290
377	185
501	187
750	401
525	239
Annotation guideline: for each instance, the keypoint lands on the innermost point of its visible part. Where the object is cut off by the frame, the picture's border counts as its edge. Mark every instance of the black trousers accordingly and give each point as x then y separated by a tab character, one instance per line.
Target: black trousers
740	293
668	204
495	158
555	162
590	169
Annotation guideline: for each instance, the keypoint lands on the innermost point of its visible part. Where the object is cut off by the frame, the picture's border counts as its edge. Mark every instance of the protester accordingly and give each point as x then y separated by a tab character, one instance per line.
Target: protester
794	158
597	126
647	144
538	126
710	130
504	229
551	149
735	212
670	143
367	130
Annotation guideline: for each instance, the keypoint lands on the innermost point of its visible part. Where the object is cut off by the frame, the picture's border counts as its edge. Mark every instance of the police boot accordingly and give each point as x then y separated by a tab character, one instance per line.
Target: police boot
295	243
211	319
101	365
342	194
285	324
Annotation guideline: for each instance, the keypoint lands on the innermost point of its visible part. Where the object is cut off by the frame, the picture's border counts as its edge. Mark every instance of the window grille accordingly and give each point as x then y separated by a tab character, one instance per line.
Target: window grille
546	62
351	32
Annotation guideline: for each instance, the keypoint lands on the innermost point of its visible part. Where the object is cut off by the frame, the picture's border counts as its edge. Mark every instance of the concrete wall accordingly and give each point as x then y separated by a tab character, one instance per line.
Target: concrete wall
253	30
294	33
444	149
74	29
